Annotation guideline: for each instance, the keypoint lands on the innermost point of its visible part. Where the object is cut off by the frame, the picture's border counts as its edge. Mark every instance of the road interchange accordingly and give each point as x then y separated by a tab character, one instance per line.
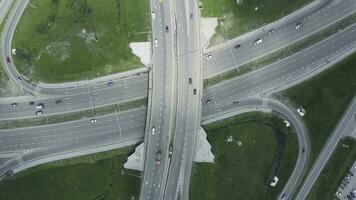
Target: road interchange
224	94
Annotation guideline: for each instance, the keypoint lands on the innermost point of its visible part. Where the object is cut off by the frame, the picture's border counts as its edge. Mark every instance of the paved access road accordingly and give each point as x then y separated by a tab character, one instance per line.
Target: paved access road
345	127
324	14
160	119
42	141
266	105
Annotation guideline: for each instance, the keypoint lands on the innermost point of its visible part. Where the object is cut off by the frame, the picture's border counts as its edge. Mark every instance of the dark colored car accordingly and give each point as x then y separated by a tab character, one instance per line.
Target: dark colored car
58	101
167	29
8	59
237	46
194	91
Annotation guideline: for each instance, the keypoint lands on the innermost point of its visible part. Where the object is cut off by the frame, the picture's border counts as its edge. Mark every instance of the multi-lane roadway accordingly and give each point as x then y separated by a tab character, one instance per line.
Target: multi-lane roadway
217	100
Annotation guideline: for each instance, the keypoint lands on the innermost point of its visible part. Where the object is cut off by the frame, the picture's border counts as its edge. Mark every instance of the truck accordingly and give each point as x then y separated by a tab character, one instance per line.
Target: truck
158	158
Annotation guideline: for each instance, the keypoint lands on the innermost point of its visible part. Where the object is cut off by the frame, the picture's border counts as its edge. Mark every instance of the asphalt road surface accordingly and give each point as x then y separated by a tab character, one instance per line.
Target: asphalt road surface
160	120
345	127
189	99
288	113
284	73
70	136
284	34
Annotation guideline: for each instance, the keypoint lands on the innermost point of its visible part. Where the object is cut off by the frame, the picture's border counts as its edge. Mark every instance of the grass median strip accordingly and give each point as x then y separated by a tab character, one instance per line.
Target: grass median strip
97	176
282	53
66	40
335	171
324	98
8	124
250	149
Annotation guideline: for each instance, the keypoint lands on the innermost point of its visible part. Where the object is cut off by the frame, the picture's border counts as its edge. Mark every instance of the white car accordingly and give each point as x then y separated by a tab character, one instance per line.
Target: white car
286	122
297	25
39	112
153	15
208	57
258	41
301	112
156	43
92	120
153	130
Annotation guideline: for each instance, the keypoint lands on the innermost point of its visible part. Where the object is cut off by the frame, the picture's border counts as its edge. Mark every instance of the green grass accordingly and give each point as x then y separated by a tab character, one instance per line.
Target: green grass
325	98
282	53
52	48
119	107
95	177
244	172
335	171
242	18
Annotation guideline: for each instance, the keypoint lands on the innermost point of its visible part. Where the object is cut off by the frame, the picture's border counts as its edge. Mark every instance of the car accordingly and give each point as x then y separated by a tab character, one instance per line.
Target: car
170	152
208	101
236	103
303	150
92	120
208	56
270	32
19	78
190	81
167	29
110	83
31	103
158	158
283	196
39	112
237	46
13	105
191	15
8	60
297	25
39	106
58	101
258	41
153	130
153	15
194	91
156	43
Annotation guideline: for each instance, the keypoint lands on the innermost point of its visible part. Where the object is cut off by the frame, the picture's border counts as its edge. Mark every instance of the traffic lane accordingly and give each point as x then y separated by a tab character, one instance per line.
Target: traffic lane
4	7
346	124
92	98
221	60
121	124
158	99
283	72
193	115
185	92
290	114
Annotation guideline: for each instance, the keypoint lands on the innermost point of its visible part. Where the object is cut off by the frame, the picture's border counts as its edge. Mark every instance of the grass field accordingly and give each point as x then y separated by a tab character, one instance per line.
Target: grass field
325	98
244	172
68	40
93	177
241	18
335	170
